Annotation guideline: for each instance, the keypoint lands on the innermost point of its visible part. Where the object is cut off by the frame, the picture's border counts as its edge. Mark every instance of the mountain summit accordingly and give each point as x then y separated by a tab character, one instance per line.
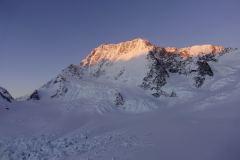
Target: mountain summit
125	51
128	73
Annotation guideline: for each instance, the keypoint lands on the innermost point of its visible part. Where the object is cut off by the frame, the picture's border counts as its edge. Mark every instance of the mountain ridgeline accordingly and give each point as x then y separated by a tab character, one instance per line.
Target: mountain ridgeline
114	71
5	97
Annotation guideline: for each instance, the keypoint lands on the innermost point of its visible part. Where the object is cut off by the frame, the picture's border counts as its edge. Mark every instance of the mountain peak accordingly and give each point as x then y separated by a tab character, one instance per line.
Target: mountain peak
200	50
128	45
123	51
127	50
196	50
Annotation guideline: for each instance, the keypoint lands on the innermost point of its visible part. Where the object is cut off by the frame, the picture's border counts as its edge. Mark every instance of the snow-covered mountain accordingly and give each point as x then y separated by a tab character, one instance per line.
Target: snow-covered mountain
194	92
5	97
127	73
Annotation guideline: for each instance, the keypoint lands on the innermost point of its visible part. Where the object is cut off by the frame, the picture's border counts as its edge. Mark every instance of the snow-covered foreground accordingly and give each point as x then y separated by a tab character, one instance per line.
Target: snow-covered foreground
45	132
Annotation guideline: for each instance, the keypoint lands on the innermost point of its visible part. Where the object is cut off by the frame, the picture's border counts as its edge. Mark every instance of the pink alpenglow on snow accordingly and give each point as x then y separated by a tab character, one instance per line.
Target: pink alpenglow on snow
125	51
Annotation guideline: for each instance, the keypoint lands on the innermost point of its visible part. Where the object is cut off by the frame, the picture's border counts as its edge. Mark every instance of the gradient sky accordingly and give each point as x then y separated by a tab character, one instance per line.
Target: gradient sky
38	38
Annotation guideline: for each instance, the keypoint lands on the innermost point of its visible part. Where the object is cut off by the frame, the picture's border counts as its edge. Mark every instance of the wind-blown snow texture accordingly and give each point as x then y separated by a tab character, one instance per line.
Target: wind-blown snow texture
191	97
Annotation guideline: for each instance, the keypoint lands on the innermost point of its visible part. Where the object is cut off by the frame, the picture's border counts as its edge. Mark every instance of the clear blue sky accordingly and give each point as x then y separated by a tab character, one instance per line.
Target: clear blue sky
38	38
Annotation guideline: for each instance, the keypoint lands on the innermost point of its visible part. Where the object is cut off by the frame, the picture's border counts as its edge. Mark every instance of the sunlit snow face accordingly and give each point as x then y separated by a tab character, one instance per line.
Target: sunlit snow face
124	51
128	50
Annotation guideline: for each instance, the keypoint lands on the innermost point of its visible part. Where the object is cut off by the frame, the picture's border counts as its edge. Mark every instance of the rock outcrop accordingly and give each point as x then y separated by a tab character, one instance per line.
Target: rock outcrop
5	95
